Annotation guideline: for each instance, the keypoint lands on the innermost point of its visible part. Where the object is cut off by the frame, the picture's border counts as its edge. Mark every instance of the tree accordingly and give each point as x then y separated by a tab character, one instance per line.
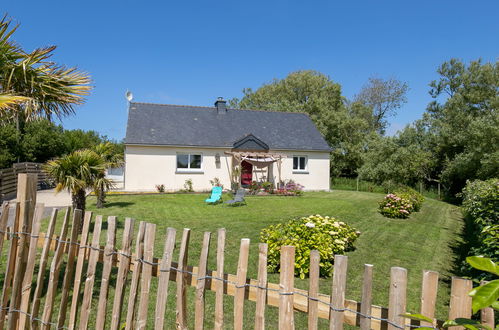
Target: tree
388	160
42	141
112	157
32	86
343	126
384	98
78	172
463	122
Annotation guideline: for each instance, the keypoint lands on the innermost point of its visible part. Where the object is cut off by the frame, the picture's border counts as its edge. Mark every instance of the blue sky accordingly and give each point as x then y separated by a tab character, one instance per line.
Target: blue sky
189	52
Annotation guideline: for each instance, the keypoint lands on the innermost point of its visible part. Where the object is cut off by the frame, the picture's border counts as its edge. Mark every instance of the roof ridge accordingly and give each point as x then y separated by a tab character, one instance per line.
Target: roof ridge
205	107
174	105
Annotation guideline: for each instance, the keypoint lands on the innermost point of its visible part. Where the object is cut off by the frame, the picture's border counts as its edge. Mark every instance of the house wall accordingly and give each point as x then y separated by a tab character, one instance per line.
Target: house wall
147	166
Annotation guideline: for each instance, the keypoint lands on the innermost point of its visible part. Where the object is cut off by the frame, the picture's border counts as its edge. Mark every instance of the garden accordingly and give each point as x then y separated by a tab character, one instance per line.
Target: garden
425	240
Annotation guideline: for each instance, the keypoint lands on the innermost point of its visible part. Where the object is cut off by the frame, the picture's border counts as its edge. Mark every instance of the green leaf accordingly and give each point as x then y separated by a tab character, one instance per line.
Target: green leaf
485	264
495	305
485	295
467	323
417	317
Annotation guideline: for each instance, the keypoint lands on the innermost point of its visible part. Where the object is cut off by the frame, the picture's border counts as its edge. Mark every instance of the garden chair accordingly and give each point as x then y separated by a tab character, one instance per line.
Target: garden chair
238	198
216	195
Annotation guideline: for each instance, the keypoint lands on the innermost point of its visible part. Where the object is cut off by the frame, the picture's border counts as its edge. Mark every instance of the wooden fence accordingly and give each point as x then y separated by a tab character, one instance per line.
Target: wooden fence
75	258
8	178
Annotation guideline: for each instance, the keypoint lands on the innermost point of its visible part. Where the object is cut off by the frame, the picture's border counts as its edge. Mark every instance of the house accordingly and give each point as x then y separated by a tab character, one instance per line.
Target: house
169	144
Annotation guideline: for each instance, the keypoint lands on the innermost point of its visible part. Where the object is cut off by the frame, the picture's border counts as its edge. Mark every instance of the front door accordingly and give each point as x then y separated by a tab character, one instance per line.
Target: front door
246	173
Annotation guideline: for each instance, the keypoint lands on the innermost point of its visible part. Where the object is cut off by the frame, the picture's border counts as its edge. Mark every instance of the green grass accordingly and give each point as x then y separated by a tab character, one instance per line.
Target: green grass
424	241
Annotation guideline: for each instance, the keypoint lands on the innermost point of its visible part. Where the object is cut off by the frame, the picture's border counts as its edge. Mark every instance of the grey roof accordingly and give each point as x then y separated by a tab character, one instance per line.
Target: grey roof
178	125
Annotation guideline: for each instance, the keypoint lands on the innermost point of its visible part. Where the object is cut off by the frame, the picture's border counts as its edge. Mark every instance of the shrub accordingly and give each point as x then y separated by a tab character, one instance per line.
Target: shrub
216	183
393	206
481	209
412	195
188	185
160	188
254	187
290	188
325	234
268	187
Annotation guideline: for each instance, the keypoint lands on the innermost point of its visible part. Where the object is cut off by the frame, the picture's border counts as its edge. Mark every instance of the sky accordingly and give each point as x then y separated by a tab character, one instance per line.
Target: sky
191	52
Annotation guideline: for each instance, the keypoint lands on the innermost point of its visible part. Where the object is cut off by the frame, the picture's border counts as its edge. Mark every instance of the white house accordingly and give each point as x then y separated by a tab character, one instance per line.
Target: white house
169	144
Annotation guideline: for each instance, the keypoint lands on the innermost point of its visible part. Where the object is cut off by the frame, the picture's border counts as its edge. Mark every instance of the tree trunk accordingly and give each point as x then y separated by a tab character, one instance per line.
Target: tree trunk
78	199
101	198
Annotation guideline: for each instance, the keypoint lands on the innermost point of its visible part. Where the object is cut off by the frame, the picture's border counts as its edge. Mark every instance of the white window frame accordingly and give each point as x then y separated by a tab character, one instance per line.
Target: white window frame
188	169
298	170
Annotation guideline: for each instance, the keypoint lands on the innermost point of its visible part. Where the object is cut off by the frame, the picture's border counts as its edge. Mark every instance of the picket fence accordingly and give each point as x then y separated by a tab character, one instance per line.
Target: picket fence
25	303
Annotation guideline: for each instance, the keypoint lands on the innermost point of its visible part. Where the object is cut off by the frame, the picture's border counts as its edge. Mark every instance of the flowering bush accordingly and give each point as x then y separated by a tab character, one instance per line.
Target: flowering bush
291	188
393	206
412	196
160	188
325	234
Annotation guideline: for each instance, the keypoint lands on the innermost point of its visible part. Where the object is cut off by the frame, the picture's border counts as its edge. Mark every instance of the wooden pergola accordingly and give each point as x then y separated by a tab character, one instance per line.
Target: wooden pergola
256	158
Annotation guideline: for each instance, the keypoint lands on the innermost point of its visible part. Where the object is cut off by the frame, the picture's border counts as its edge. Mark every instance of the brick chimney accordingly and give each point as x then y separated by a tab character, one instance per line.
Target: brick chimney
221	105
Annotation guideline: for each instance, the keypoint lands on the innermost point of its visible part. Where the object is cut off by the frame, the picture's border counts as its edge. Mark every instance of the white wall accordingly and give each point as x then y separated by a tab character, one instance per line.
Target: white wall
147	166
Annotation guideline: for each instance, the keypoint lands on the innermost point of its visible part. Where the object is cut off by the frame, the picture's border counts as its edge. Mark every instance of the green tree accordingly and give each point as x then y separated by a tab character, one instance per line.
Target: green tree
343	125
77	139
8	145
463	122
384	97
42	141
78	172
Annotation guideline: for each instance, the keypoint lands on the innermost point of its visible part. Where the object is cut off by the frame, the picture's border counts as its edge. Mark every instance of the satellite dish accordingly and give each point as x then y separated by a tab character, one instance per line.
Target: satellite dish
129	96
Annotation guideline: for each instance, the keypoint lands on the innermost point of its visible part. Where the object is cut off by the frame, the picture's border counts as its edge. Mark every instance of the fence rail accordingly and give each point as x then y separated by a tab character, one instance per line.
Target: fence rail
77	258
8	178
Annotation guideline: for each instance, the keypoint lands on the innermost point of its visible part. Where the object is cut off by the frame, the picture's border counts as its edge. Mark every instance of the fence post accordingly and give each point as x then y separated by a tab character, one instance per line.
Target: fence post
134	286
365	307
86	304
26	196
287	276
219	295
79	269
164	272
397	300
145	284
43	264
338	292
429	295
313	289
30	266
261	292
201	282
107	261
55	267
123	268
242	269
181	281
460	302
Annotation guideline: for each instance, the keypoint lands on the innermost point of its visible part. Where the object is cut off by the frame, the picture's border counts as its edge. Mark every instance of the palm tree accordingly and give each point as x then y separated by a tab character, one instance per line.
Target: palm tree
31	86
78	172
111	158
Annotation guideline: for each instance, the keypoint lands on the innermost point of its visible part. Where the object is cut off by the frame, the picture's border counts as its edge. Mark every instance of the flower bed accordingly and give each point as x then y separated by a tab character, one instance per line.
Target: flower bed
290	188
325	234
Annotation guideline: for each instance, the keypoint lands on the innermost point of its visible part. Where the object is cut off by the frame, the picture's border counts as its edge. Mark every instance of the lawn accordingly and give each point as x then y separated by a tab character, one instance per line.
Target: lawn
424	241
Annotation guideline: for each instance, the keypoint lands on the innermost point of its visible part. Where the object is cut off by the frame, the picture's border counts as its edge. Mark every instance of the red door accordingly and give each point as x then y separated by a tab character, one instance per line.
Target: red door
246	173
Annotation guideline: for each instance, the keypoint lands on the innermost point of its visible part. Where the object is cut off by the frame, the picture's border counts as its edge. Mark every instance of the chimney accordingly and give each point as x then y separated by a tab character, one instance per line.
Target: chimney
221	105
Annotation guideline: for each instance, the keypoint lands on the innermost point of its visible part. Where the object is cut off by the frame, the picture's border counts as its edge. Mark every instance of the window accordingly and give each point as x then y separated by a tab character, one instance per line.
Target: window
186	162
299	163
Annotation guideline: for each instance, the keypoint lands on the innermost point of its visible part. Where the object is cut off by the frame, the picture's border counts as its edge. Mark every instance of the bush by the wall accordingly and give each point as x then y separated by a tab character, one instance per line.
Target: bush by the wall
394	206
325	234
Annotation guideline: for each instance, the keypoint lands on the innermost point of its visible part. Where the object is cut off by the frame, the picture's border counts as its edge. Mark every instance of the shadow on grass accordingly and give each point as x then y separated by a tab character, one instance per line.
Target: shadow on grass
118	204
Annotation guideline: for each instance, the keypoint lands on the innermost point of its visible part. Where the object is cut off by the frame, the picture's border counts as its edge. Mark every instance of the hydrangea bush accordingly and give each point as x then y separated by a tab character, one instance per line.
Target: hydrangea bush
415	198
393	206
325	234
